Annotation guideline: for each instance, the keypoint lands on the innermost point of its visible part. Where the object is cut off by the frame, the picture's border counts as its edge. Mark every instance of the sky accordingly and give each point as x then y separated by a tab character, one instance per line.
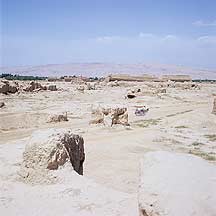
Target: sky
175	32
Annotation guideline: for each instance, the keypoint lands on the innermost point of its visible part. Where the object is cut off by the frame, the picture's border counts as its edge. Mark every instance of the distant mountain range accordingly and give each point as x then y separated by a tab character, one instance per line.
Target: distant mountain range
103	69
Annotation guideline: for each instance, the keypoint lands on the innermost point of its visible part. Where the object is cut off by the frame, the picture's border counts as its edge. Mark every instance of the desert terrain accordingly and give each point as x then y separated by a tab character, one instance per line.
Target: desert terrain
104	69
179	120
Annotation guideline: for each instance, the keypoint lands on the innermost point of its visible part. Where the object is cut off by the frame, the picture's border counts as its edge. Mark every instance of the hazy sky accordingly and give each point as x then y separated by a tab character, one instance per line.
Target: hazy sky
179	32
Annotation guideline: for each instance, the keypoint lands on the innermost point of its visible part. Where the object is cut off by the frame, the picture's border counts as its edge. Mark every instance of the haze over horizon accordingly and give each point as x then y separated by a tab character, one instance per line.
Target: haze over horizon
57	32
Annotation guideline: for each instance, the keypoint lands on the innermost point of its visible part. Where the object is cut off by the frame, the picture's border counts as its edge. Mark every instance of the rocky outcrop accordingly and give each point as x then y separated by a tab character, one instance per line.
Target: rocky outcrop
7	87
34	86
214	107
175	184
110	116
52	88
49	150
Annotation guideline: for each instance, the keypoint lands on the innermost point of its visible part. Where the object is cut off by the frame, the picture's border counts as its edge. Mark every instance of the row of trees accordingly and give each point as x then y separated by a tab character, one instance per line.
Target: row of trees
20	77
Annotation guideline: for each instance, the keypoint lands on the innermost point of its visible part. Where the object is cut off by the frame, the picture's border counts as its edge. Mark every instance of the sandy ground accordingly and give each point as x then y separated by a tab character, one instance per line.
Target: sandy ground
179	120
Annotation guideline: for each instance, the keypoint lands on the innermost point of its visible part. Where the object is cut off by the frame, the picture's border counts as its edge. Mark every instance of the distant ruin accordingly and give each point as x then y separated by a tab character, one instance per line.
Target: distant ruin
176	78
125	77
150	78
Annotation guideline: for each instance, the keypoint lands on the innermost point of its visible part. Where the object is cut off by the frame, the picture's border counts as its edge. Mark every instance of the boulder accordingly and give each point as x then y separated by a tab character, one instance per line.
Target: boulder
175	184
13	87
214	107
8	87
4	87
131	95
2	104
50	150
119	116
52	88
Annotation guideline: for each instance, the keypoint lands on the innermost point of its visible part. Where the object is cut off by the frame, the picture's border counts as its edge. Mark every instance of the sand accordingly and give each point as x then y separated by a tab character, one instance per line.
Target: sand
178	121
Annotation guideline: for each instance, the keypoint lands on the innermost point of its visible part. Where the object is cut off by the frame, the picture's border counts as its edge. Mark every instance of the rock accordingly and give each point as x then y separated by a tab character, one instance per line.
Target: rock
2	104
97	116
91	86
8	87
175	184
13	87
74	145
119	116
52	88
109	116
34	86
58	118
4	87
214	107
81	88
49	150
131	95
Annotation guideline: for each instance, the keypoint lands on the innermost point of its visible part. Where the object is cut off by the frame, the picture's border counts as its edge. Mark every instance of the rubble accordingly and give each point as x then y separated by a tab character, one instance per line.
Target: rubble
58	118
110	116
8	87
34	86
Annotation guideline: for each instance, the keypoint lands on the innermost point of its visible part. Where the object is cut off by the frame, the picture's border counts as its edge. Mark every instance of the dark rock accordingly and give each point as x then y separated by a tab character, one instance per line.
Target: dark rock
2	104
75	147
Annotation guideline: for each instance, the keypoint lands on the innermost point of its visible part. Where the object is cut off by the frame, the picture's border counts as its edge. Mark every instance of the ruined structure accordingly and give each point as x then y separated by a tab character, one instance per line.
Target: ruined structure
177	78
49	150
125	77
